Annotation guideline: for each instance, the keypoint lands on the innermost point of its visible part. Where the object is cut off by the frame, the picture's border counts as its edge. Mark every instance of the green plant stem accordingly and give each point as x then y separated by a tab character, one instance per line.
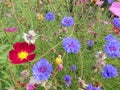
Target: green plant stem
13	79
49	50
80	60
15	14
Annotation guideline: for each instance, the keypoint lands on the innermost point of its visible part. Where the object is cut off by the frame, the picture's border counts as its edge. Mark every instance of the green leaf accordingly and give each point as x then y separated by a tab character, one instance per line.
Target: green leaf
4	57
3	47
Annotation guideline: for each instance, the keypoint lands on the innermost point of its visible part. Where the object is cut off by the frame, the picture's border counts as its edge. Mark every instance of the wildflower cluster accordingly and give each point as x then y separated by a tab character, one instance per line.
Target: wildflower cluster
48	47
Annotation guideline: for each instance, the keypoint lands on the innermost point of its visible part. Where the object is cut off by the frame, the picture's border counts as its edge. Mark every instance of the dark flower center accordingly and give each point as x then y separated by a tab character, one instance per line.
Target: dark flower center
42	69
67	21
30	37
67	79
112	48
71	44
94	89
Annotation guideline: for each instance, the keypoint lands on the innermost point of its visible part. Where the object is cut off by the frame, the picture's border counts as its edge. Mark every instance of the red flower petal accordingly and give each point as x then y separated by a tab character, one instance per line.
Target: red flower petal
31	57
21	46
17	46
31	48
24	46
13	56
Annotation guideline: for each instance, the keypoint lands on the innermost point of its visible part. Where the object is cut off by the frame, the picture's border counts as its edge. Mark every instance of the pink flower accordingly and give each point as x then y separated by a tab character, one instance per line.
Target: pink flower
1	1
10	88
31	86
60	67
83	0
77	2
8	15
115	8
99	2
12	29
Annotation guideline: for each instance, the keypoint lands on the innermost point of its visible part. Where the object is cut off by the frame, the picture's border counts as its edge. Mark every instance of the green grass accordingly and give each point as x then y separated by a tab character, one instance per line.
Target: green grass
84	60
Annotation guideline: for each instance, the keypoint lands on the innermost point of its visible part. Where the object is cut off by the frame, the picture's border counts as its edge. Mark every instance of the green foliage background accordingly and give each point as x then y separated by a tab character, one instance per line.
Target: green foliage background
84	15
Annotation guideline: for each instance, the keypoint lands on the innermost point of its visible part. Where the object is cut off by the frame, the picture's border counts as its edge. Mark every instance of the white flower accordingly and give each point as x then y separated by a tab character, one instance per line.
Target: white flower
82	83
34	81
100	55
100	63
24	74
30	37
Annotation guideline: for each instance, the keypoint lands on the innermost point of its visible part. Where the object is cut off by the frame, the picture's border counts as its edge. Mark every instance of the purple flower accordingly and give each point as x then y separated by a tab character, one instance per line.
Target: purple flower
110	38
67	21
71	45
73	67
112	49
90	87
110	1
50	16
42	70
116	22
109	71
68	79
90	42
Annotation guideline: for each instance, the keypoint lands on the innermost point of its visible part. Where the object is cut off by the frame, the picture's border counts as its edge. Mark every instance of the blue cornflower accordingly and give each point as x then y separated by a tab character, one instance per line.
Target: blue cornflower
109	71
50	16
110	38
90	87
90	42
116	22
73	67
71	45
67	79
67	21
112	49
110	1
42	70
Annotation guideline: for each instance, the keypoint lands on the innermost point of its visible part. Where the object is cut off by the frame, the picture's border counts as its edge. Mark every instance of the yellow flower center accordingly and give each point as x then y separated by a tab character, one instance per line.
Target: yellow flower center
22	55
58	61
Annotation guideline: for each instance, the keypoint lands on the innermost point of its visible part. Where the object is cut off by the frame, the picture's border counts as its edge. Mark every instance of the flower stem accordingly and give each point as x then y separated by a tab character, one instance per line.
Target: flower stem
80	59
38	6
15	14
13	79
49	50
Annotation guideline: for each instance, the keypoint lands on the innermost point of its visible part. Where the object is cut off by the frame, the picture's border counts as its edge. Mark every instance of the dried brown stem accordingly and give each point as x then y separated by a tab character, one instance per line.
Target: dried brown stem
38	6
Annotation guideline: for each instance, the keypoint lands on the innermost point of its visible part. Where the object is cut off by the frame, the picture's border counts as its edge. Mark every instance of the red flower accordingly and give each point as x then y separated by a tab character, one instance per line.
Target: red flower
22	53
116	30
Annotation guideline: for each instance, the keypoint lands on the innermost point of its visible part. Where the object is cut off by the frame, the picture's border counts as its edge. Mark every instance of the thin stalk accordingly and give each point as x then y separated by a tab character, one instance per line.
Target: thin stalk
38	6
13	79
15	14
80	60
49	50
